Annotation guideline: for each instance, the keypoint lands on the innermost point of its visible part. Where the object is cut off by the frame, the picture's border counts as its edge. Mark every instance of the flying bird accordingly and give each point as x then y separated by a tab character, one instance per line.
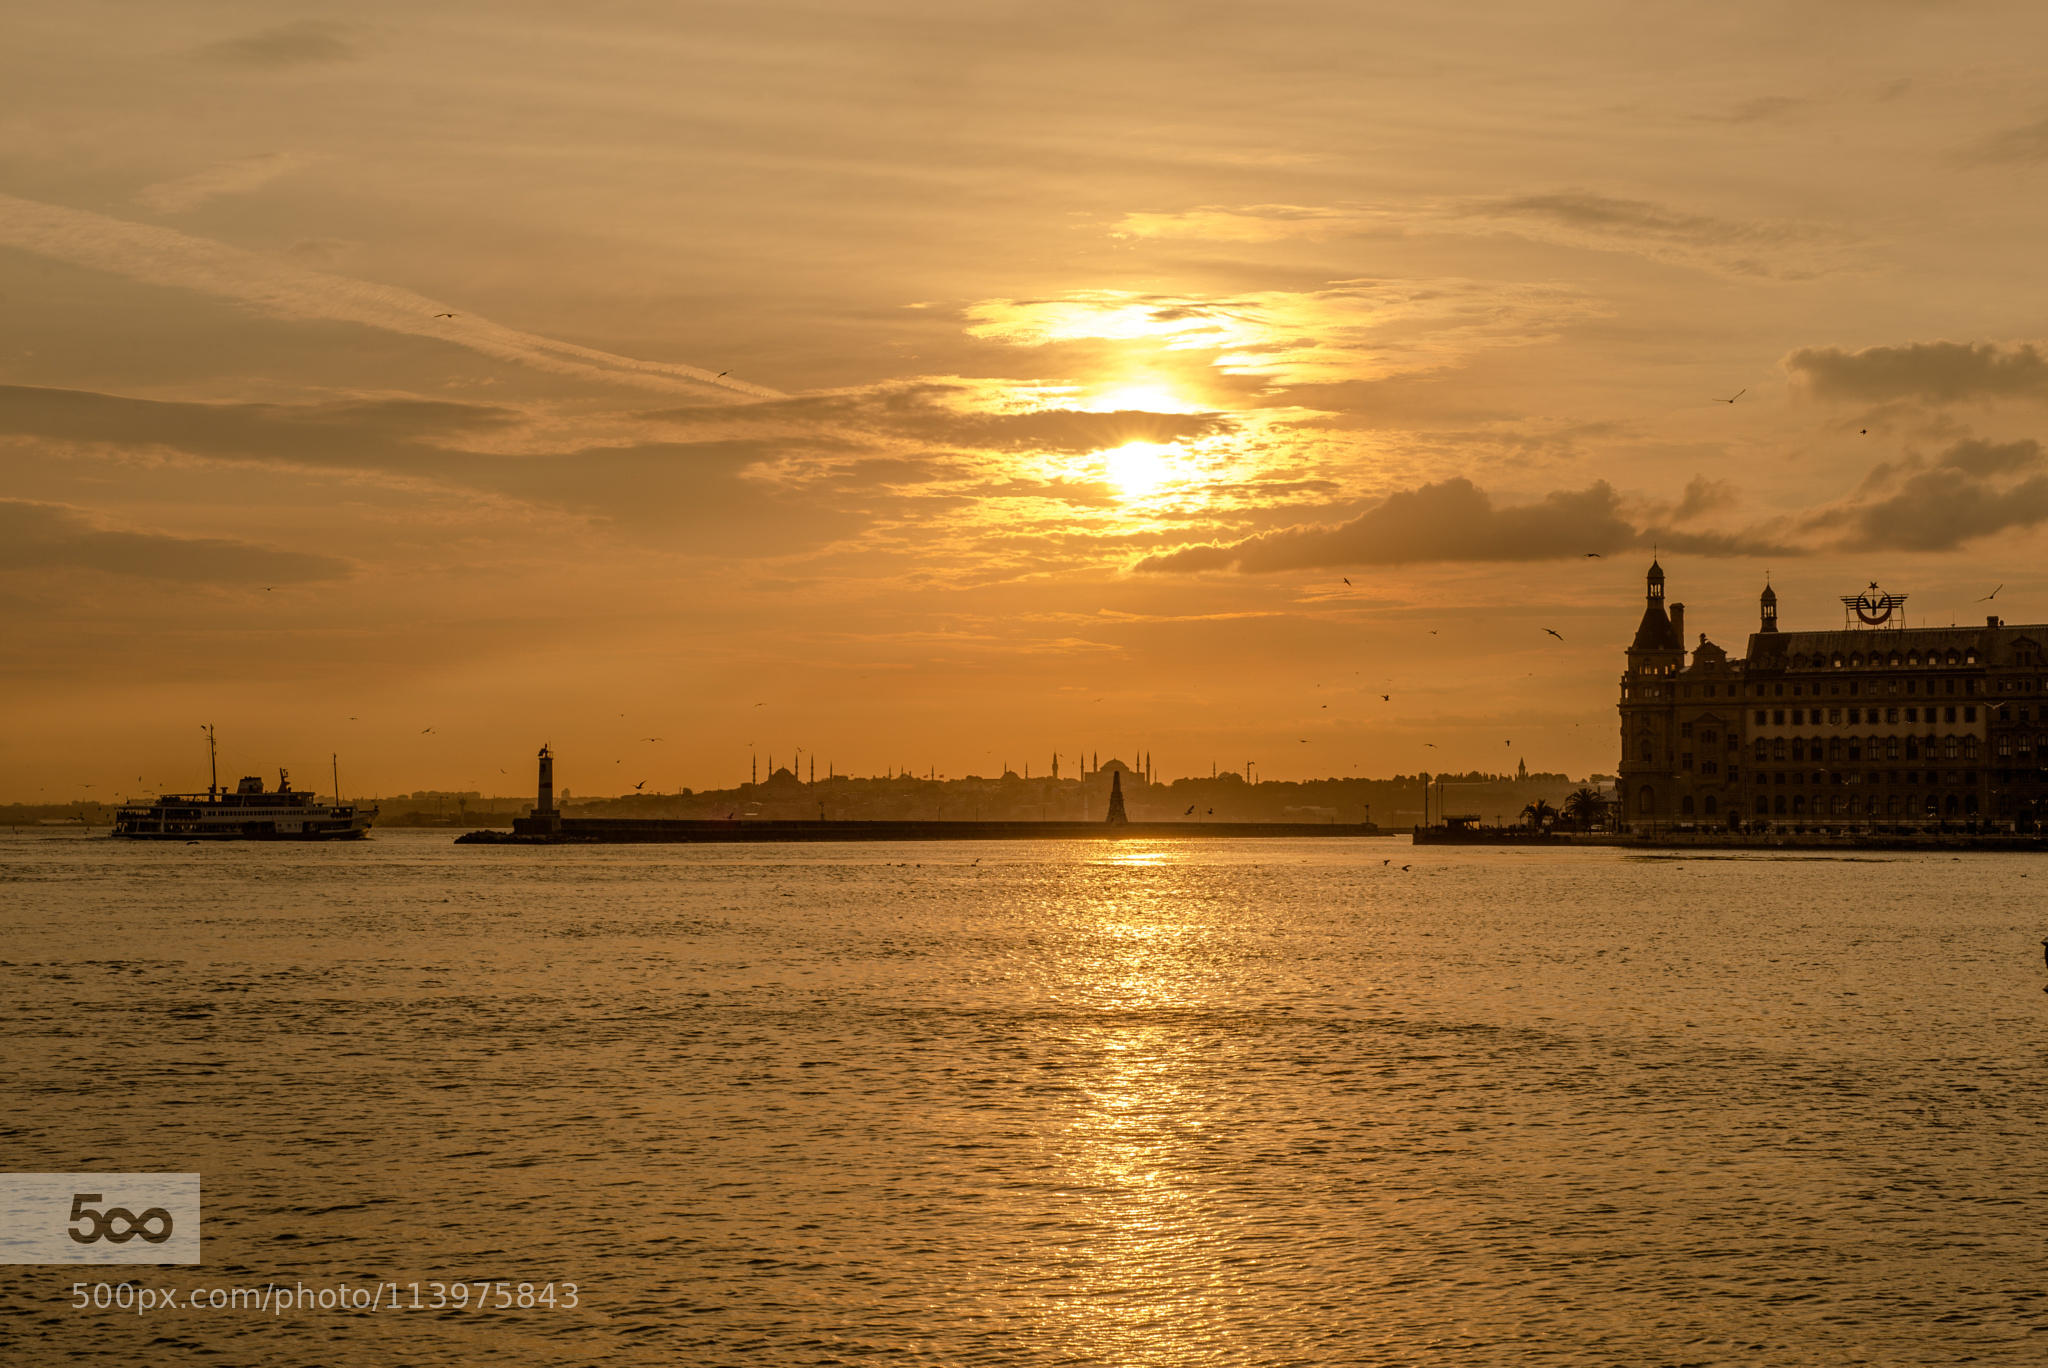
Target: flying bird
1733	397
1992	595
444	315
650	738
425	730
1594	555
1191	812
1302	739
760	705
1386	698
1347	581
1430	745
641	785
1554	632
721	375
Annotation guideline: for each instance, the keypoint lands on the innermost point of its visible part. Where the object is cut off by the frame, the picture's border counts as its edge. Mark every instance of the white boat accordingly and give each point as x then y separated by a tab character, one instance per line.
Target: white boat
249	813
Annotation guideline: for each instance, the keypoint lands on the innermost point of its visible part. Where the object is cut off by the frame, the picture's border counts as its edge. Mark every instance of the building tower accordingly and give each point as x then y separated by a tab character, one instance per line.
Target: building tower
1116	800
1649	750
1767	606
544	801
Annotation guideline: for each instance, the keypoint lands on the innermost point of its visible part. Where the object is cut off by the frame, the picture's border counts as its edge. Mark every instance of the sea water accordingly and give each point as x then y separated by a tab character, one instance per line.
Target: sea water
1172	1103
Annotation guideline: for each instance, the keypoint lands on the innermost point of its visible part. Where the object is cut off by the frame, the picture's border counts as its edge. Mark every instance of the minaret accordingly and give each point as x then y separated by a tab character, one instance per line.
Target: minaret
1767	605
1116	800
1055	767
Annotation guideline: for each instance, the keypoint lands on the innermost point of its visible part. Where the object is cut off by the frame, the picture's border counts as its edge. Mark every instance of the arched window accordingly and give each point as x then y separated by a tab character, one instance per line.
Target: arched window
1763	750
1856	660
1763	806
1646	801
1710	807
1798	805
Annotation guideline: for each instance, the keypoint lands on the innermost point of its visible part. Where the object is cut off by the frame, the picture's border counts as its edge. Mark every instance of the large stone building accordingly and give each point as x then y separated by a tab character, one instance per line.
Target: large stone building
1875	725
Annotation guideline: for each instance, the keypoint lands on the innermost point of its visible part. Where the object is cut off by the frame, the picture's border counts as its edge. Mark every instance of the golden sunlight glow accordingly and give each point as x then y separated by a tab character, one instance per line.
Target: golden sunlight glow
1145	397
1140	468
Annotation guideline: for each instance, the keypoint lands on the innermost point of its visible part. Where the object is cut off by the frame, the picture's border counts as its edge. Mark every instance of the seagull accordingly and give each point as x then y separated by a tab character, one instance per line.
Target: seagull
760	705
1732	398
1429	745
444	315
1302	739
1864	431
1507	743
1432	631
425	730
1191	812
1992	595
1347	580
1554	632
650	738
1594	555
1386	698
267	589
641	785
721	375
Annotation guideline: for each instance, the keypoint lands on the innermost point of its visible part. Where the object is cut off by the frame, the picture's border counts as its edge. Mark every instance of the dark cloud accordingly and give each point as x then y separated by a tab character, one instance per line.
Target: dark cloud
303	42
1703	495
1749	247
2026	143
1973	489
42	536
369	433
1937	372
1450	521
920	413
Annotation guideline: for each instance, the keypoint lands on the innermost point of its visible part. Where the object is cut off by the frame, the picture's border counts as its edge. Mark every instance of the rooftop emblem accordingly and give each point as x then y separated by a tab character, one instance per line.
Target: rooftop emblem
1874	607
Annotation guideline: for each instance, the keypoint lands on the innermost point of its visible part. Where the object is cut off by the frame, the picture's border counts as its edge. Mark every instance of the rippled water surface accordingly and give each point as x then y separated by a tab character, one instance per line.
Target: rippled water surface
1343	1102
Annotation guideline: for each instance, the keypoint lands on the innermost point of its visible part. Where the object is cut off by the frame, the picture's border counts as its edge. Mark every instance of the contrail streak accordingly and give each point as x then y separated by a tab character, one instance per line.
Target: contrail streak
164	256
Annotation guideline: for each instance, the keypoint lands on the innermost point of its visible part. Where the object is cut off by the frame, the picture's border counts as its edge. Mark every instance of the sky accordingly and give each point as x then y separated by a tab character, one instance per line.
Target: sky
943	387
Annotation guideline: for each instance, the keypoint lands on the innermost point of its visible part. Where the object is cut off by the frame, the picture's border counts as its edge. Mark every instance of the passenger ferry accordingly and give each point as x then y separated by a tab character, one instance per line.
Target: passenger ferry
249	813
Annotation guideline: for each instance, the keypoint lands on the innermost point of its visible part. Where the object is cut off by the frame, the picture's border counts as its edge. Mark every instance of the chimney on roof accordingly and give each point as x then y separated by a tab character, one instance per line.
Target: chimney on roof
1993	622
1678	624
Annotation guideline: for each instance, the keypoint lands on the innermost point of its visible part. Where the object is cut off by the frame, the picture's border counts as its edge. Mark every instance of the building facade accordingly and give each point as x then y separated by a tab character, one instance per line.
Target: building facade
1873	726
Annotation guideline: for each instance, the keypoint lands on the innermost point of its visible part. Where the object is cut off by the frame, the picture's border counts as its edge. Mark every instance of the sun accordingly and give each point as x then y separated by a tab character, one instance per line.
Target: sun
1140	468
1146	397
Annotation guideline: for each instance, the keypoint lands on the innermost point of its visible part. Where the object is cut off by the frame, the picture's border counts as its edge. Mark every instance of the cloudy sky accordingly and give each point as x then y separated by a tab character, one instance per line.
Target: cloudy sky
939	385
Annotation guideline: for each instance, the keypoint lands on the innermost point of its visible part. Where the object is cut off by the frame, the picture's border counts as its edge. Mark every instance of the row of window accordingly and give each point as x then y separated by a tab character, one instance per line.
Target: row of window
1838	804
1875	747
1857	716
1855	688
1851	805
1837	778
